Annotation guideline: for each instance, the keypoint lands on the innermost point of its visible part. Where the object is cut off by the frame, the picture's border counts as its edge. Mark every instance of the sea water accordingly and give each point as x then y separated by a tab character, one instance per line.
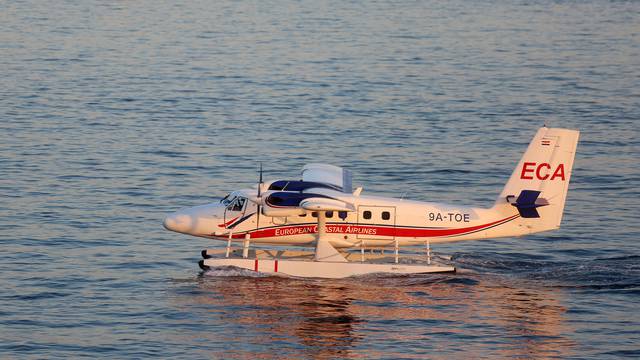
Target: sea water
114	114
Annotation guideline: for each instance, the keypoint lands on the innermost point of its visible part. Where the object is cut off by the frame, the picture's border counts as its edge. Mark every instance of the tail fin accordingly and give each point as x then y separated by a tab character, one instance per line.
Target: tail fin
538	186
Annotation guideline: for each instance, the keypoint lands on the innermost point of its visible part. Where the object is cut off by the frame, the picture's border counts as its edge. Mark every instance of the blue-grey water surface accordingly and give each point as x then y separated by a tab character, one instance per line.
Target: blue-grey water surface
113	114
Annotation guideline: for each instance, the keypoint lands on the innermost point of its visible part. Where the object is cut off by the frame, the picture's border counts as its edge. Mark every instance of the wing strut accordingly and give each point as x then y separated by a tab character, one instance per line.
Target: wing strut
324	250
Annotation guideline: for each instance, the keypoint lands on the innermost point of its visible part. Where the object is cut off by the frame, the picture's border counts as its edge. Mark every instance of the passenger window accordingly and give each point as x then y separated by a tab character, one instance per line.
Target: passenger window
303	215
342	214
314	214
366	215
329	214
386	215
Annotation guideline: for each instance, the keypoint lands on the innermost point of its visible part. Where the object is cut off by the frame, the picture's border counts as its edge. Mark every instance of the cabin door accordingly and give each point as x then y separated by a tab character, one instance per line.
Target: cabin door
376	222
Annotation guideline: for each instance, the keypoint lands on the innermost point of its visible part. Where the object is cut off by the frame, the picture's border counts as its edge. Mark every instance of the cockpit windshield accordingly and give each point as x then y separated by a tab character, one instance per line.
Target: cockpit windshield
237	204
227	199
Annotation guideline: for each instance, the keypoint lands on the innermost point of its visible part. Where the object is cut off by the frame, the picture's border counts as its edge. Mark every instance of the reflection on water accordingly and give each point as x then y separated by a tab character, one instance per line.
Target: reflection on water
376	316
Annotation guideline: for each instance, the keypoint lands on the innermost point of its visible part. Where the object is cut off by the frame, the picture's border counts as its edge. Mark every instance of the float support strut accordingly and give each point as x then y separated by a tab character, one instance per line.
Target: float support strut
324	250
245	248
229	243
396	250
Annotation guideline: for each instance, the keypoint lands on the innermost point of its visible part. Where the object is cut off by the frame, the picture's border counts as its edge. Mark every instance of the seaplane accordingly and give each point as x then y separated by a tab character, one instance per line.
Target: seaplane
343	232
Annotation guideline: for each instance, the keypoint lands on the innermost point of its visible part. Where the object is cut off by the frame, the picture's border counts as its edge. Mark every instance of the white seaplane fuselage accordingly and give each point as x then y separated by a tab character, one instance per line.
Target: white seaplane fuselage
378	222
282	214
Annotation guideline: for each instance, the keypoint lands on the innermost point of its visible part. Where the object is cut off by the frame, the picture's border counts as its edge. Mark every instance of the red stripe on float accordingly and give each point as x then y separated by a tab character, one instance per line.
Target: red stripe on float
275	266
255	265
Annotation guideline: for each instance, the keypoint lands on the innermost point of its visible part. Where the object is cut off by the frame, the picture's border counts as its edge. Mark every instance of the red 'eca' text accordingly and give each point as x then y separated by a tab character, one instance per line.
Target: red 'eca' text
542	171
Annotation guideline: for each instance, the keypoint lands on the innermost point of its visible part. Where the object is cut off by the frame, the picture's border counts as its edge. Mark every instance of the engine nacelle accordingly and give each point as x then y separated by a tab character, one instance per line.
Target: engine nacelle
282	211
284	203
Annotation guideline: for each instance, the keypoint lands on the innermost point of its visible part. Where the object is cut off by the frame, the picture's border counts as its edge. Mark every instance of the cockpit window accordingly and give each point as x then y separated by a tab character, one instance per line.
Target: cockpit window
226	200
237	204
240	204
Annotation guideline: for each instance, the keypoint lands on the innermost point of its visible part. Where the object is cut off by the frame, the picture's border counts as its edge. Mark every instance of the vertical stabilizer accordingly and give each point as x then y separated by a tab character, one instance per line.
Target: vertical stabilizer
538	185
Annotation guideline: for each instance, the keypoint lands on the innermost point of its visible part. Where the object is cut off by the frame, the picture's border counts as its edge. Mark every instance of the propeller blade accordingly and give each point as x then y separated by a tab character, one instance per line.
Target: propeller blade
258	209
260	182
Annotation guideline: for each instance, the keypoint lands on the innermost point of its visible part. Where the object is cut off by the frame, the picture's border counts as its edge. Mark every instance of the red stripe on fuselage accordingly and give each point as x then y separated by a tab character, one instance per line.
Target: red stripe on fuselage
369	230
404	232
228	222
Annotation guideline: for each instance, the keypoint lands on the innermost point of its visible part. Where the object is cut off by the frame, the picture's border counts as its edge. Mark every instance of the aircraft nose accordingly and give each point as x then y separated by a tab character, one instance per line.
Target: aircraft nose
178	222
198	220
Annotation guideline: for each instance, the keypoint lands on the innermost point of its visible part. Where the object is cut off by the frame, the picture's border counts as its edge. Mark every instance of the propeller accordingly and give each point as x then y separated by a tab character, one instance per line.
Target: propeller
258	210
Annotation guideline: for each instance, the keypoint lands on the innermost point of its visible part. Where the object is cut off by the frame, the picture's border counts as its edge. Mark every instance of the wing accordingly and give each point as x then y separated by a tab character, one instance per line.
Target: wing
328	174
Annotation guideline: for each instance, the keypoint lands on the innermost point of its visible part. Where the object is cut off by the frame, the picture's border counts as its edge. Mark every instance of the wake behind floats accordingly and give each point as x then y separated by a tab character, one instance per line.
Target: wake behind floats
324	212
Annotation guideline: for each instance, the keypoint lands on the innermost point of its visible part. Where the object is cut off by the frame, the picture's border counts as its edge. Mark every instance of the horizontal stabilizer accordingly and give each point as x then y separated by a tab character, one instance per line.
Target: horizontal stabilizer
527	202
527	198
528	212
